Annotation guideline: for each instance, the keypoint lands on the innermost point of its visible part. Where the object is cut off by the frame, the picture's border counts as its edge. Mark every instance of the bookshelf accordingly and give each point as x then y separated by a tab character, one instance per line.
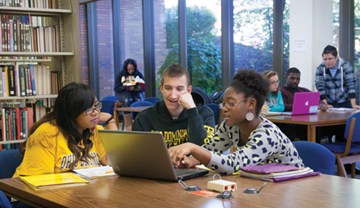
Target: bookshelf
40	34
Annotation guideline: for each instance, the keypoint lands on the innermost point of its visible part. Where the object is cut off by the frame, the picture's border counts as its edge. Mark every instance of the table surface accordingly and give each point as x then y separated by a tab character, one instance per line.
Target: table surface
318	191
131	109
320	118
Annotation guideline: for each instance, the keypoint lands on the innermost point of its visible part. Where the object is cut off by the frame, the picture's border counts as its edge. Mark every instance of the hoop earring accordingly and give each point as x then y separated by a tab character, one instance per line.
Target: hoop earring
249	116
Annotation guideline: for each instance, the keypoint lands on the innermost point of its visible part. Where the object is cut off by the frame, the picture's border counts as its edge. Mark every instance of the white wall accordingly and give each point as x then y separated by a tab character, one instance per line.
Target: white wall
310	31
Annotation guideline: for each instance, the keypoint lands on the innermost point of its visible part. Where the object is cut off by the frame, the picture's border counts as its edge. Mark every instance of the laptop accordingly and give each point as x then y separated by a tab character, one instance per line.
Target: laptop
305	103
143	155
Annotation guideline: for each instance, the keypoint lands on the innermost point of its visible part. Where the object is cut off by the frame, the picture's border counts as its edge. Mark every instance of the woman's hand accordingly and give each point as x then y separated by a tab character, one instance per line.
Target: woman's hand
179	154
103	117
109	121
189	162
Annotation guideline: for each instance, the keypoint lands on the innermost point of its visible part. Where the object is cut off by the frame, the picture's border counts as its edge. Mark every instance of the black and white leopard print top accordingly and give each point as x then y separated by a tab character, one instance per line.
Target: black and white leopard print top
266	144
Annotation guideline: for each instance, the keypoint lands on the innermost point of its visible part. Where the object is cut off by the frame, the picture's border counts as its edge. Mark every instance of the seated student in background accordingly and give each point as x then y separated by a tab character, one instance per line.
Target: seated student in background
274	103
292	85
129	83
257	139
176	116
67	138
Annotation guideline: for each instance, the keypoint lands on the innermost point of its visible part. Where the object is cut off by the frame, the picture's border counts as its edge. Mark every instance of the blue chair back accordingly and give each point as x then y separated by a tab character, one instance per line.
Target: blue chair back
216	109
152	99
111	97
108	106
316	156
140	104
9	161
356	133
4	201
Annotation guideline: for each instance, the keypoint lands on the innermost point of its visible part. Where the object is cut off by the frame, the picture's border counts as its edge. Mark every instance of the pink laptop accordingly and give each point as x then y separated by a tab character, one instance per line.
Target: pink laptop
305	103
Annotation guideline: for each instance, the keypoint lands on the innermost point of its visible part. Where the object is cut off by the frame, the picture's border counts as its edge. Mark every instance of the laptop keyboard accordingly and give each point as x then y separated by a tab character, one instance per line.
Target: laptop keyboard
182	171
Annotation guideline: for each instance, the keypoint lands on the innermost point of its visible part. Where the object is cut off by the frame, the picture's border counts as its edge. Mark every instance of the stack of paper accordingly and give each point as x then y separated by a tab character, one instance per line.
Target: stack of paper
276	172
55	180
95	172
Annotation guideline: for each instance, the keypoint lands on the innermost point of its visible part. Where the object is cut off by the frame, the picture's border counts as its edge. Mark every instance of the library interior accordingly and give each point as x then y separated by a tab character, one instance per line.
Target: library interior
215	81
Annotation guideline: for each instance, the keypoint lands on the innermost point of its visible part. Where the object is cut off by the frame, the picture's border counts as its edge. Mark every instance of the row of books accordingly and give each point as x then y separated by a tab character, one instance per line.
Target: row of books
19	33
46	4
16	121
27	80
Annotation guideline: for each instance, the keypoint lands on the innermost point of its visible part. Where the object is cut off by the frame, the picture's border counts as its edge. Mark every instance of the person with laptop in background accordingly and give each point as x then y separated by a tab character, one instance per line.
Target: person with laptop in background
256	139
335	81
288	91
274	102
67	138
177	117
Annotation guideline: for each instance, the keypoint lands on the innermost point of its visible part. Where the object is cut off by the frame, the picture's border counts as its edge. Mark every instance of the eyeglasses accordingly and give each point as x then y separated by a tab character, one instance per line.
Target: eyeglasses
91	110
230	105
275	82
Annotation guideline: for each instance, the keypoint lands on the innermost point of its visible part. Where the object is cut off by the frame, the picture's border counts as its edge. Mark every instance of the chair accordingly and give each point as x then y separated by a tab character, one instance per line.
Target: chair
316	156
4	201
217	113
9	161
108	106
152	99
348	152
111	97
140	104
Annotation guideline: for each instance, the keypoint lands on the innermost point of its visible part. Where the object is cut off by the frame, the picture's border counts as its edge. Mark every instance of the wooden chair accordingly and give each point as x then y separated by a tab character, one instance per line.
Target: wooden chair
348	152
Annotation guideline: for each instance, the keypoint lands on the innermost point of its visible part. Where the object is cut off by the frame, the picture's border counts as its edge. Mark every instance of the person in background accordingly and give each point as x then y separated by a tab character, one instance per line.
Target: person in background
293	75
129	83
274	102
177	117
257	140
67	138
335	81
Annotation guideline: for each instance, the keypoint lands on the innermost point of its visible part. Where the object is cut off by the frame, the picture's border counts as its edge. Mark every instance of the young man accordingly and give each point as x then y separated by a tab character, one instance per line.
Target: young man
335	81
292	85
177	117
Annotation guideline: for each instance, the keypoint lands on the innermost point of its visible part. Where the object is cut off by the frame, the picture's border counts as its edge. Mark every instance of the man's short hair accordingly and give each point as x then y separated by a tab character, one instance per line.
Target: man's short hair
292	70
176	70
329	49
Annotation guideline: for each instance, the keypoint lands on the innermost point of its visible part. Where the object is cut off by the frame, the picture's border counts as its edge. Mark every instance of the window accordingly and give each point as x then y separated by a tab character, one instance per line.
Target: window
253	34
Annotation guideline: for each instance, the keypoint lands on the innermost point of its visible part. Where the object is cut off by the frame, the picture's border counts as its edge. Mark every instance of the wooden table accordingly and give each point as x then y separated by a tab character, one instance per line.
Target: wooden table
127	116
319	191
313	121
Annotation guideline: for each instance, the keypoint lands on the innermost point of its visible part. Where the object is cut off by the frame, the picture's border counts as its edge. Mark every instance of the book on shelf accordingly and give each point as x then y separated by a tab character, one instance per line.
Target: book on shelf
15	122
28	80
95	172
276	172
55	180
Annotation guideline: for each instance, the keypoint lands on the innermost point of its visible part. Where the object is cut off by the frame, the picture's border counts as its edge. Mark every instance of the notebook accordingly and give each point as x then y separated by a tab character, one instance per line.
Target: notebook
305	103
143	155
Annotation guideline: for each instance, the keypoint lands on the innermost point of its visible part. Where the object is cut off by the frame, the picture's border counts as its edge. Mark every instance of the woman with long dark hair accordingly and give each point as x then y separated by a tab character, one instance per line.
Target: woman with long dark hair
67	138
